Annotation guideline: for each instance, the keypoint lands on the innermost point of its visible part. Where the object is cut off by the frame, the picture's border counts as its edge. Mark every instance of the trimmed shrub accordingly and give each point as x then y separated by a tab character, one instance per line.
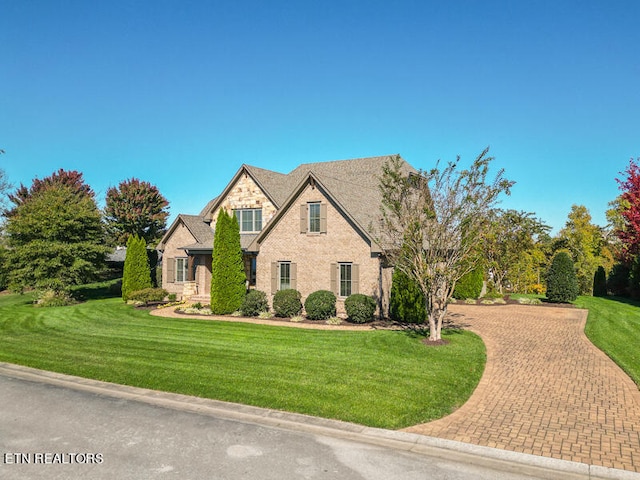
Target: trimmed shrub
52	298
562	283
470	285
320	305
286	303
360	308
618	281
147	295
406	302
600	283
255	302
136	274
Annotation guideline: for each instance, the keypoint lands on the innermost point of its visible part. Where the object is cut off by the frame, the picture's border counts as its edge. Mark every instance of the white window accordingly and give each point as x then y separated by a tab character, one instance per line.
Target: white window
249	219
314	217
284	276
182	265
345	279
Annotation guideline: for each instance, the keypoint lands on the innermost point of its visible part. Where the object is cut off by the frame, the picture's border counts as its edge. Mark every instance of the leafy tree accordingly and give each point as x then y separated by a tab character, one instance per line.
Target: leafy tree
55	237
625	214
587	245
562	283
227	270
4	270
137	273
527	275
432	223
64	178
600	283
406	302
513	233
136	208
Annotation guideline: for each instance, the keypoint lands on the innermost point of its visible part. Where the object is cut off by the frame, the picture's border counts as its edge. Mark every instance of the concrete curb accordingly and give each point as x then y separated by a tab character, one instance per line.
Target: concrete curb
522	463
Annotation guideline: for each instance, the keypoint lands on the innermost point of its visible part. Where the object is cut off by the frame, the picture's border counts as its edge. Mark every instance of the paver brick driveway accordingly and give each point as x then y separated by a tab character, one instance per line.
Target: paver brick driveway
546	390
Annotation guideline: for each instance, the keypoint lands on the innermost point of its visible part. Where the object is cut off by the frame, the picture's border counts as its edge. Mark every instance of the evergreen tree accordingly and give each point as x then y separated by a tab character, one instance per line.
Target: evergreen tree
136	275
227	269
562	284
600	283
406	302
470	285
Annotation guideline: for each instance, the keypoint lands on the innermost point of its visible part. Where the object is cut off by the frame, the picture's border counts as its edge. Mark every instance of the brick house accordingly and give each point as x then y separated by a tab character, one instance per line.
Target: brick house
308	229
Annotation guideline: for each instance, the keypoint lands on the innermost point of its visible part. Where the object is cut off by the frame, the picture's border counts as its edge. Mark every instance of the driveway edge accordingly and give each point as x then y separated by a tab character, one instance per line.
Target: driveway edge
522	463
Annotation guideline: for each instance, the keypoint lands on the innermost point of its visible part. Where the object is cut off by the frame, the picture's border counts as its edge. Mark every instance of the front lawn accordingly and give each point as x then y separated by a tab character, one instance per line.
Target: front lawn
613	326
386	379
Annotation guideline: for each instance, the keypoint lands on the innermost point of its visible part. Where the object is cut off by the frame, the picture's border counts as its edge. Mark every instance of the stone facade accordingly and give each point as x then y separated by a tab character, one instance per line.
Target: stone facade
246	194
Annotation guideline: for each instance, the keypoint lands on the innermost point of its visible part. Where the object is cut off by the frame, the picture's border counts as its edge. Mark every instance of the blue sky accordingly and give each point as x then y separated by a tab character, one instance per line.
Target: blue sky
181	93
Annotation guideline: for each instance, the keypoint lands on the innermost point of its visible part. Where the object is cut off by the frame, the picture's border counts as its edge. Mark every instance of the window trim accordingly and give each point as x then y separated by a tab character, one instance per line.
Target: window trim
184	270
347	282
281	284
256	224
314	219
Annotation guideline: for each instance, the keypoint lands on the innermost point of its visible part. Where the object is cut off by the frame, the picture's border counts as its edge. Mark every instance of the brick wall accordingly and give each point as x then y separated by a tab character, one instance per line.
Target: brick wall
314	253
180	237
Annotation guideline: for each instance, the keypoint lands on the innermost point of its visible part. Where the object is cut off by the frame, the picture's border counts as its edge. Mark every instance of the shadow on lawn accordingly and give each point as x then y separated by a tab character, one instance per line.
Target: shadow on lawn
97	291
453	324
625	300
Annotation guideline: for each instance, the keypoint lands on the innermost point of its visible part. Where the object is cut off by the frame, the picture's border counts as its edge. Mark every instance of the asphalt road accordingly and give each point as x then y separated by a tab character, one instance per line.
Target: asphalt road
67	433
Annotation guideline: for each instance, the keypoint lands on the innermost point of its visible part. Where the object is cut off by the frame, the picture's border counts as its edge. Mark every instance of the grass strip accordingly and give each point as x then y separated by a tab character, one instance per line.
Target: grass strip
613	326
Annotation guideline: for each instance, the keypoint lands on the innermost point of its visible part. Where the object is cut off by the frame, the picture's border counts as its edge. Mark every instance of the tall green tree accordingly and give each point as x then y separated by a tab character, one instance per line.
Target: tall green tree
137	208
513	234
406	301
227	269
55	236
432	223
562	283
587	245
600	283
137	273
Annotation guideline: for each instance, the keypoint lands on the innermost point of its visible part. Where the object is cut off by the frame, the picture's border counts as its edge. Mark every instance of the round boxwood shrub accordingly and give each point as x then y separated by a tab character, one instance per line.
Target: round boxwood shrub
147	295
562	283
360	308
286	303
320	305
470	285
255	302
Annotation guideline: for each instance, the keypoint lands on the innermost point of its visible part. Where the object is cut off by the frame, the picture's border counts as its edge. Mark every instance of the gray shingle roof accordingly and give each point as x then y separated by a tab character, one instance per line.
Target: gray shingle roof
200	230
352	183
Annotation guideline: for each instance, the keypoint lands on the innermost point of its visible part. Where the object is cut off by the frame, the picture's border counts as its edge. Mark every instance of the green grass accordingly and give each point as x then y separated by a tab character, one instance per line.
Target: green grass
613	326
385	379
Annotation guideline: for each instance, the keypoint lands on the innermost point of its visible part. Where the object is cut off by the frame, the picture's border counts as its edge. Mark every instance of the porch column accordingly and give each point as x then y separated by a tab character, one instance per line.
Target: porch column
190	269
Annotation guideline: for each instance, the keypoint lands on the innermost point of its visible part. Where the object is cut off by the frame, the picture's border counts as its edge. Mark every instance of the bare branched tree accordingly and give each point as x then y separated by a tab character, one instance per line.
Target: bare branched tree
433	223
